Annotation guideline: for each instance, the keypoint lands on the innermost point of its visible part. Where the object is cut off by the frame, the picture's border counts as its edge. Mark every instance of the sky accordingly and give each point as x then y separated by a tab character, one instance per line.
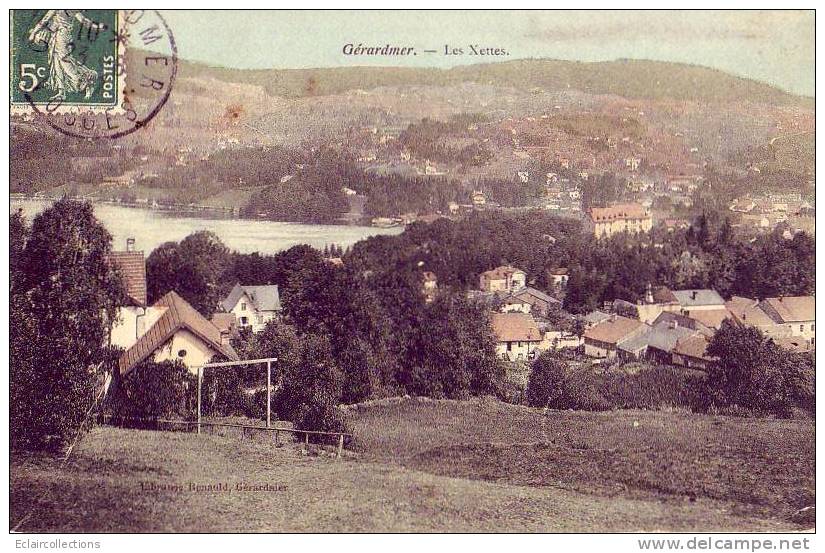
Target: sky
776	47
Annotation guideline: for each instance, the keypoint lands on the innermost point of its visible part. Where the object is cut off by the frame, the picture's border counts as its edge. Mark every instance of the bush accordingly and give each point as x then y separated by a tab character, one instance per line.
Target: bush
156	391
222	393
546	382
754	373
653	388
550	385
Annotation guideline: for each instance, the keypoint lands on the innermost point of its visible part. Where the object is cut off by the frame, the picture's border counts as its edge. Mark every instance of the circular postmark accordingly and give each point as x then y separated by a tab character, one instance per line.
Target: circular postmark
98	79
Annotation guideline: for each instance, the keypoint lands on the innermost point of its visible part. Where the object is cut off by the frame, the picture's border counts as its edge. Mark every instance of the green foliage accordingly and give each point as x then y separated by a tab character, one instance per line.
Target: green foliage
428	139
195	268
223	393
312	388
752	372
157	391
452	352
64	297
546	382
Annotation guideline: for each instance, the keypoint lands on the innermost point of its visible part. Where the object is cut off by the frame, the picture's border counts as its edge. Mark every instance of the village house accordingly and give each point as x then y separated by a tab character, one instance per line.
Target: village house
691	352
796	313
703	305
607	221
429	285
560	276
503	279
656	342
539	303
683	321
692	300
177	332
517	335
749	312
131	316
603	339
253	306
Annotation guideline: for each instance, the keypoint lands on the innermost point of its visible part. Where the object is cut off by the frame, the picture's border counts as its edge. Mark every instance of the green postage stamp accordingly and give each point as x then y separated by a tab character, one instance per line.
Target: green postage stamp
65	59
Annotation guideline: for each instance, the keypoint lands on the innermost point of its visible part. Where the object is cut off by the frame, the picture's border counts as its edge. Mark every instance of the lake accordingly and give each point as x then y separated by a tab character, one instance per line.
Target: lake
150	228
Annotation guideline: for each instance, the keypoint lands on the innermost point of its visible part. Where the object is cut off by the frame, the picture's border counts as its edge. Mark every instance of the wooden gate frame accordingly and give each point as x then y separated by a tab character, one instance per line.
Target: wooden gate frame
268	362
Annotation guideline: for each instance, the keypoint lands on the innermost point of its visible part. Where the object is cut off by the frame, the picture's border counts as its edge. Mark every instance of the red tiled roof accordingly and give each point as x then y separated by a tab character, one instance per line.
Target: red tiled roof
617	212
225	322
711	318
178	315
613	330
500	272
515	327
793	309
692	346
132	269
748	311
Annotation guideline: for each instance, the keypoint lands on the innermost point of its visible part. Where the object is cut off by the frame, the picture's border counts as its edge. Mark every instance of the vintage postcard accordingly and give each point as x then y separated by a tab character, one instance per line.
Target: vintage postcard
412	272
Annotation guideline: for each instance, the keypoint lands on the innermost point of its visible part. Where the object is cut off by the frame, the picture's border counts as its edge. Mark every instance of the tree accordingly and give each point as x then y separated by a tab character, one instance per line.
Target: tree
452	352
312	388
156	391
195	268
18	232
64	301
546	383
751	371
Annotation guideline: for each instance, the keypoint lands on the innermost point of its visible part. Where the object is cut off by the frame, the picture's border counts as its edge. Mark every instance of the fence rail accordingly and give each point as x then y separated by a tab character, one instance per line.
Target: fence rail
194	426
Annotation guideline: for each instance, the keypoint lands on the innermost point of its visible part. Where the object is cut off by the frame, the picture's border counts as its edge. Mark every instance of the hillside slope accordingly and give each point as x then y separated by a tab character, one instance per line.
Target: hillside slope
640	79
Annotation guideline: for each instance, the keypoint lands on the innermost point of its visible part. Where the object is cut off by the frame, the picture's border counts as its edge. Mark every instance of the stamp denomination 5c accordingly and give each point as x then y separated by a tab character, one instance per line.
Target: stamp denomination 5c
91	73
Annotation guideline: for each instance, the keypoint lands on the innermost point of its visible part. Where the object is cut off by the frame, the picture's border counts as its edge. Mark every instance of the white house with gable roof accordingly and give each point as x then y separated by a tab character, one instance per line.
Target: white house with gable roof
253	306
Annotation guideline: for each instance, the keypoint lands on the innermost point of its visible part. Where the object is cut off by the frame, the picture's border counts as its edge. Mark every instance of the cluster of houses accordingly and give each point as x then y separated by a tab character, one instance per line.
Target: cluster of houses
667	326
787	211
171	329
675	327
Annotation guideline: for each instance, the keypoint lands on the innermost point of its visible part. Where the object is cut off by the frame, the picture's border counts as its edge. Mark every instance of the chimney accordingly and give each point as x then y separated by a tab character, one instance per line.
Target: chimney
649	293
130	244
224	337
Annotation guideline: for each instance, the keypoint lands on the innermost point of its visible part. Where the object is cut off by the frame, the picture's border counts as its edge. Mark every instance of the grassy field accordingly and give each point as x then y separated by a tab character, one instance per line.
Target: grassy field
753	467
435	466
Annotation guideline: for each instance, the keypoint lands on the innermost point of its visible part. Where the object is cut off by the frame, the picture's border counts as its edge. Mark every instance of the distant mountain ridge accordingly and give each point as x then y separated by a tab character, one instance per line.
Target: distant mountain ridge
641	79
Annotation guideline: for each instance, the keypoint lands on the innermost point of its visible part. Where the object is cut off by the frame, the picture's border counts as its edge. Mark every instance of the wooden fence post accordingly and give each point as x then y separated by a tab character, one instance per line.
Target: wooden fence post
340	445
200	379
269	394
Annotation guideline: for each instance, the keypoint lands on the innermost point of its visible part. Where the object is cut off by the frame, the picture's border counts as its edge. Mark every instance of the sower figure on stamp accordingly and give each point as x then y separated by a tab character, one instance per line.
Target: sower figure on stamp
67	74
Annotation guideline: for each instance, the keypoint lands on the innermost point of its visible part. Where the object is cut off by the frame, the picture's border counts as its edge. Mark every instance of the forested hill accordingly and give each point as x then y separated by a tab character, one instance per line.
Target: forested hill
640	79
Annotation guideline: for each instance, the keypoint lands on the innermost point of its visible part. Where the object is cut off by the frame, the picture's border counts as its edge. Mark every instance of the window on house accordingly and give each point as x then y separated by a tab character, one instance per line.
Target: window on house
181	353
243	306
244	321
801	328
813	325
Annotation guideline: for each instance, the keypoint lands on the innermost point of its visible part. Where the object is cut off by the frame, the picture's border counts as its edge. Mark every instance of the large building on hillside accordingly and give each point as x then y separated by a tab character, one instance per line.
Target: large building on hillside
607	221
